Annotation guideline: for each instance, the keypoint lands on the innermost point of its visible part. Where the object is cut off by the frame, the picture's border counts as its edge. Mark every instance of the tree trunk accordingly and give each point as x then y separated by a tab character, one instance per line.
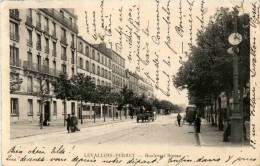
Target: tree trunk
228	107
211	114
94	112
215	110
81	105
104	112
120	113
41	116
113	112
65	112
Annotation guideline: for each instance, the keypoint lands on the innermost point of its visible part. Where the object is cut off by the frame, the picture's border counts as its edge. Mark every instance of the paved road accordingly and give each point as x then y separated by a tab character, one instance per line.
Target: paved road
161	132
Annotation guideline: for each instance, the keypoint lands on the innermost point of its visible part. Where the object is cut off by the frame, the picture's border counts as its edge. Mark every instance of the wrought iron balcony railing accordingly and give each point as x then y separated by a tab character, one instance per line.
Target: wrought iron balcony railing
53	35
63	57
54	53
38	46
14	13
16	63
38	26
29	20
63	39
47	50
29	43
14	36
46	29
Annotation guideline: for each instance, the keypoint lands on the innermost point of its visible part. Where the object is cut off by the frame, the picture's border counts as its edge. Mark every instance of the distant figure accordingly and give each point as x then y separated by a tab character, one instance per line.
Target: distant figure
69	123
227	132
74	123
154	114
198	123
116	115
179	119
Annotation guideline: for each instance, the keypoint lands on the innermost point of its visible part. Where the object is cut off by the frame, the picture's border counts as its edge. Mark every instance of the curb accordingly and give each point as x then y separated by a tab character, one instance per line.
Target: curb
62	129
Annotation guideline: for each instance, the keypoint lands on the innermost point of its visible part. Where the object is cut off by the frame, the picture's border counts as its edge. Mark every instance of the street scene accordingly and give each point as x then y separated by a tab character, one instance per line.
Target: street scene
67	88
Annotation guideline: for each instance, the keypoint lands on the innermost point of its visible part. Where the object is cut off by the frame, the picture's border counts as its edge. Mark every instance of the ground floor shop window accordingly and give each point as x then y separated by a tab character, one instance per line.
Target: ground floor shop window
14	106
30	107
54	108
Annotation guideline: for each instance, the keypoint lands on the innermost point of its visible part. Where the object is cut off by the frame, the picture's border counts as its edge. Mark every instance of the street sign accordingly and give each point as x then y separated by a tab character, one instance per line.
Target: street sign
234	39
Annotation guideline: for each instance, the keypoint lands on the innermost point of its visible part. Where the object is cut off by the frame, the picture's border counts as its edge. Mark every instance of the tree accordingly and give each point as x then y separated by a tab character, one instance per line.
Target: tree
114	100
15	81
95	98
82	89
104	92
42	92
63	91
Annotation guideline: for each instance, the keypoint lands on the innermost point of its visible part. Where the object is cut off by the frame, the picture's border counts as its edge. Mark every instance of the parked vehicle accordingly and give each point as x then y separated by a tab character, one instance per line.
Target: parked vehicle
147	116
190	114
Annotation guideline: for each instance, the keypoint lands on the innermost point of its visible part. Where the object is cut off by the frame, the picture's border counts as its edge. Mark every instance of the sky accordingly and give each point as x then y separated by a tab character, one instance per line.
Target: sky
161	19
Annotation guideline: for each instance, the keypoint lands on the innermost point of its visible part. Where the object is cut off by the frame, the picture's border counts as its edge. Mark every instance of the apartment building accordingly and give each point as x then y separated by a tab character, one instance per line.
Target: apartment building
95	61
42	44
119	79
132	81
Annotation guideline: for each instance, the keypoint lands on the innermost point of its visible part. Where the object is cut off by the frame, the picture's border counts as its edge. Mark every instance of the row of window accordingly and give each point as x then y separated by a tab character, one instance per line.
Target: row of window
15	107
100	58
103	72
118	70
119	60
118	81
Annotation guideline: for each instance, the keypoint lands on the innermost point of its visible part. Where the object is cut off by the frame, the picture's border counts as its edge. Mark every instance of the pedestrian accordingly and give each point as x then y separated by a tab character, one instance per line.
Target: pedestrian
116	115
74	123
69	123
198	124
179	119
227	132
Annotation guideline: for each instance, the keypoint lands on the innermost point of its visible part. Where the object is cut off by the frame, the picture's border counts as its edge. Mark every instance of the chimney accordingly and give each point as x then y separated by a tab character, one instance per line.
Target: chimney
102	46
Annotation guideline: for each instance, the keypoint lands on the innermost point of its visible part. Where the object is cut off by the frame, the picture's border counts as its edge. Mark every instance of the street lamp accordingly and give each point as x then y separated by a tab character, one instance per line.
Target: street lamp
236	118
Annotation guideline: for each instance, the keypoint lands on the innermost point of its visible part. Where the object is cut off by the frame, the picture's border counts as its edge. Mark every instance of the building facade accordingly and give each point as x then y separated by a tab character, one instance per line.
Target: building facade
42	44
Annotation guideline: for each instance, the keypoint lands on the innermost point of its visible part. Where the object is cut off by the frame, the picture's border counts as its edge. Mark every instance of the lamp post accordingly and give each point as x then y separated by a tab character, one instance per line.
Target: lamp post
236	118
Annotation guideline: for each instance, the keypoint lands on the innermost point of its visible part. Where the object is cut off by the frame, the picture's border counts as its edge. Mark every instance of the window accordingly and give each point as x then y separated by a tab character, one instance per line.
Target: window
93	54
14	56
102	83
98	70
102	61
81	63
98	58
87	65
64	68
54	108
72	57
102	72
46	27
63	53
54	46
14	34
39	107
64	107
109	76
54	65
72	70
29	12
98	82
47	82
29	42
93	68
29	54
39	62
54	29
46	45
94	80
105	73
72	107
29	84
80	47
106	61
38	46
14	106
87	50
30	107
63	34
109	63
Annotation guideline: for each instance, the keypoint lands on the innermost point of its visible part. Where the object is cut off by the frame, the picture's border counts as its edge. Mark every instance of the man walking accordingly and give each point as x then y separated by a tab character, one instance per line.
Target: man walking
198	123
179	119
69	123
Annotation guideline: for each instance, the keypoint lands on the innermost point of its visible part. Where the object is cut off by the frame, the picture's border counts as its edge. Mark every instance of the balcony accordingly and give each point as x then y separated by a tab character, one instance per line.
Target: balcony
29	21
15	63
39	46
14	13
47	50
72	61
63	40
64	57
46	30
34	67
38	26
14	36
29	43
53	35
54	53
63	20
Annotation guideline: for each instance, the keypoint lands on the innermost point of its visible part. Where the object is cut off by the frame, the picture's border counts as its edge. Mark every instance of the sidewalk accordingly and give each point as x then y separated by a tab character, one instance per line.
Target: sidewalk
211	136
20	130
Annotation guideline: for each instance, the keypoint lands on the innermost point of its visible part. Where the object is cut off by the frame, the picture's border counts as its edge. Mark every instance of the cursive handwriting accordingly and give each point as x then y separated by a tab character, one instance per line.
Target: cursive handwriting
94	26
253	53
156	39
146	30
253	102
190	21
86	17
119	30
102	13
254	21
179	29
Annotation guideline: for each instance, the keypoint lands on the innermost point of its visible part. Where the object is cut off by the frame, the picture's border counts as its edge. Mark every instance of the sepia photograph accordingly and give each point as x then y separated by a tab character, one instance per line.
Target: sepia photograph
130	82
